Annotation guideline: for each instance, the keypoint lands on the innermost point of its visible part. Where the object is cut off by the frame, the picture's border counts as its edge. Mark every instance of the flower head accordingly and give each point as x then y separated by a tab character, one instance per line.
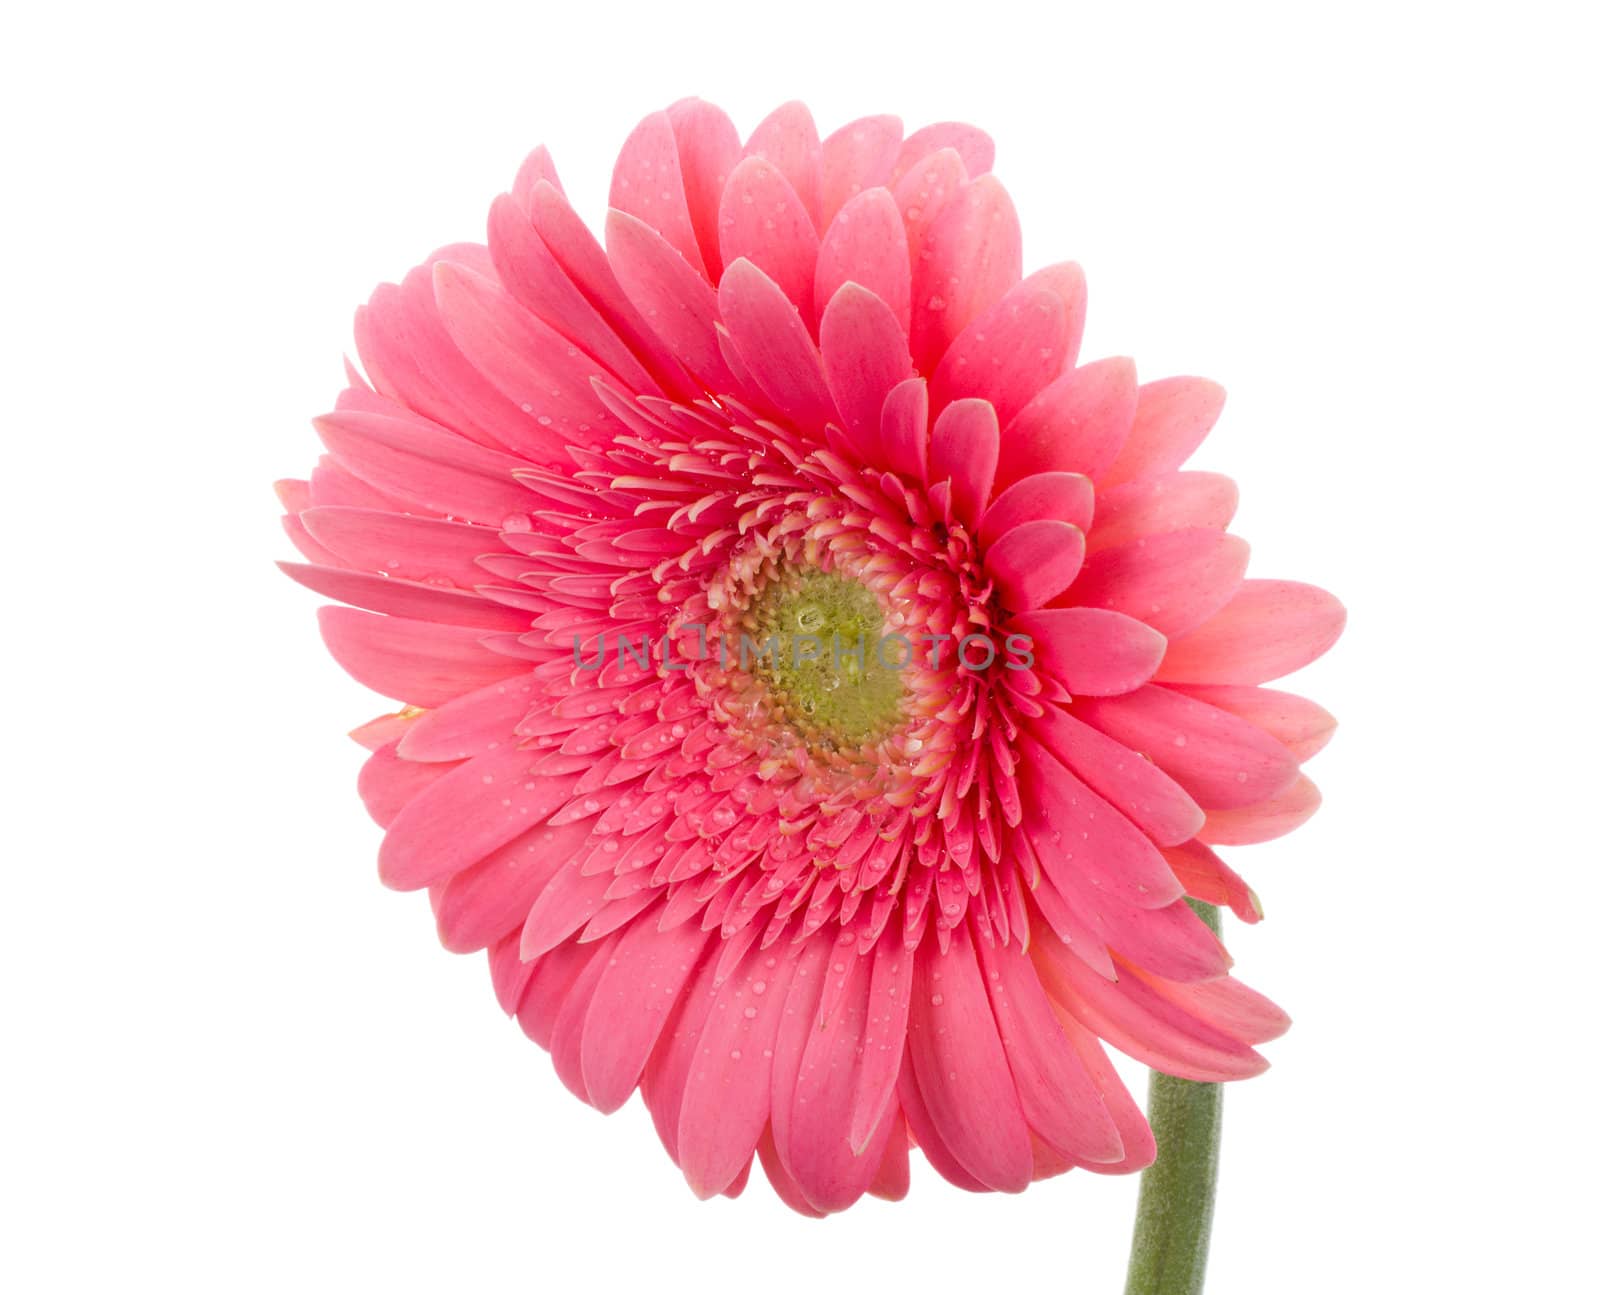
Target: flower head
820	691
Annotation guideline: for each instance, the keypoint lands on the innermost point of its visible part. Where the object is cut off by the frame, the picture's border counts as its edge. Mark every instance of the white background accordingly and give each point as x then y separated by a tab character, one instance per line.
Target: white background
234	1062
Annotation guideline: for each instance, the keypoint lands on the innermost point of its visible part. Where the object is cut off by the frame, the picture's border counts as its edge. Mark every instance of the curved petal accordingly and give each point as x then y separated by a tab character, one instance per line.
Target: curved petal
1172	582
476	808
1073	425
1266	820
1172	501
969	259
787	137
1151	800
1059	1097
412	548
763	221
629	1021
1061	496
416	662
1092	652
1034	563
1008	354
419	463
955	1052
858	156
962	450
1173	417
776	348
679	304
647	183
973	146
903	430
1301	725
1220	760
388	783
864	357
708	150
1269	628
866	244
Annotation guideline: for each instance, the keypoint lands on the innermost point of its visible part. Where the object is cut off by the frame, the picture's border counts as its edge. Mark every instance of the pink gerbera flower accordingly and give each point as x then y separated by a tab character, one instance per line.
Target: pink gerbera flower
820	691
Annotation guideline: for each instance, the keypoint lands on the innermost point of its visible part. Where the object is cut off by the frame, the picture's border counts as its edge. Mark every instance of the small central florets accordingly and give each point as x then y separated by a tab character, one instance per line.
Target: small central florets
816	640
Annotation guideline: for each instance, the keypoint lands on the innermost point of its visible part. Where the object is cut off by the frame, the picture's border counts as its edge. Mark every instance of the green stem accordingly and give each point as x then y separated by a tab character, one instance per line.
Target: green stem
1172	1230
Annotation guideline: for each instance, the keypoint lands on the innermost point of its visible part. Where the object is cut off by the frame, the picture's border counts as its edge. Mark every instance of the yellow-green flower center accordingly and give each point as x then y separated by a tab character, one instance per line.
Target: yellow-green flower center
816	640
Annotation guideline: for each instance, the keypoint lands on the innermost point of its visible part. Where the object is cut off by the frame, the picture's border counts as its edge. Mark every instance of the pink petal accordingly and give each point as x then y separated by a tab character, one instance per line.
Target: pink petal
728	1095
388	783
1173	417
866	244
532	275
1269	628
782	1181
628	1019
647	183
962	450
970	258
1009	353
1082	839
788	139
1061	496
1229	1004
794	1036
412	548
1091	651
857	157
864	356
830	1172
412	359
667	1071
1139	1146
405	598
548	989
527	361
972	145
585	262
1034	562
1133	1018
1207	877
416	662
566	903
470	724
538	167
566	1038
1059	1097
1301	725
893	1180
1157	805
883	1042
956	1053
679	304
773	342
1075	424
923	193
332	485
1220	760
1172	582
903	430
1172	501
1265	820
708	150
491	899
465	816
423	464
927	1134
763	221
